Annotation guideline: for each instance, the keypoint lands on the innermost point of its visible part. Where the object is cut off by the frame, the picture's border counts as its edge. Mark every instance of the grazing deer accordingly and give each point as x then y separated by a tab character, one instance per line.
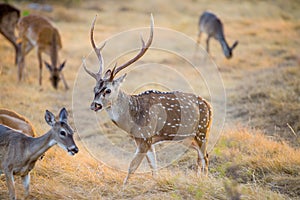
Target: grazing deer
37	31
19	153
152	116
213	27
16	121
9	17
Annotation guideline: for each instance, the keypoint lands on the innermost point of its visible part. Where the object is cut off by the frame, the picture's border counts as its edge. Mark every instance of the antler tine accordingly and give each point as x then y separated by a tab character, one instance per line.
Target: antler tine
142	51
97	50
88	71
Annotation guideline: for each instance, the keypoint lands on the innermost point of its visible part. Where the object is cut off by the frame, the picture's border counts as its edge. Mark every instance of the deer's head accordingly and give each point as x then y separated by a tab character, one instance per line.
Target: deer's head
228	54
107	87
55	73
62	132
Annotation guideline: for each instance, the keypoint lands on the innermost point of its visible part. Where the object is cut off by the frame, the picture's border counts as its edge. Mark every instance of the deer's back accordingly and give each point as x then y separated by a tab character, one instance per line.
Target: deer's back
174	114
9	138
6	9
39	31
211	25
16	121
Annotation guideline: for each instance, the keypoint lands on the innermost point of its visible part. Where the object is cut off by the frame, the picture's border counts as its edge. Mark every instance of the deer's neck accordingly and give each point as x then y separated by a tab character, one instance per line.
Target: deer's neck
119	110
38	146
225	47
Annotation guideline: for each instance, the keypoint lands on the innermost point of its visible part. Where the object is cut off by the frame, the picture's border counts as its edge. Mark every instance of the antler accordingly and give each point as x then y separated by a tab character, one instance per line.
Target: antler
139	55
97	75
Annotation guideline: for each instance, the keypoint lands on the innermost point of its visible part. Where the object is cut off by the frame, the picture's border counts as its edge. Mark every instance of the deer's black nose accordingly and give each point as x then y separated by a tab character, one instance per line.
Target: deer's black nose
96	106
73	150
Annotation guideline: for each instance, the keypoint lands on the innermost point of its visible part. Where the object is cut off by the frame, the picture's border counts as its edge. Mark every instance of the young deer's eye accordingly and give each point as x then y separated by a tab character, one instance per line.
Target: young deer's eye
63	133
108	91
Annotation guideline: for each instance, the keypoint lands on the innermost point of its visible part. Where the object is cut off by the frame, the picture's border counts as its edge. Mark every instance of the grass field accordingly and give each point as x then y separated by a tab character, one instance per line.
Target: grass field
257	155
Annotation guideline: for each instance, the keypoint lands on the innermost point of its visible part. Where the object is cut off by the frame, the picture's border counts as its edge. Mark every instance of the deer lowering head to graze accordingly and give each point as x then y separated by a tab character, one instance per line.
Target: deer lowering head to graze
19	153
37	31
16	121
152	116
9	17
210	24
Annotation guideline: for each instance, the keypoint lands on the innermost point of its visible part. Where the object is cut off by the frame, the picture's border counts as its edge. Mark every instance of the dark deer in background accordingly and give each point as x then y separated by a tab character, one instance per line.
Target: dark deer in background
210	24
37	31
19	153
9	17
152	116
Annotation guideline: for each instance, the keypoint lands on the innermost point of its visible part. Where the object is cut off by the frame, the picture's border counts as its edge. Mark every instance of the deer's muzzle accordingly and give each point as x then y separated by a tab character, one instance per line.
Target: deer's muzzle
72	150
96	106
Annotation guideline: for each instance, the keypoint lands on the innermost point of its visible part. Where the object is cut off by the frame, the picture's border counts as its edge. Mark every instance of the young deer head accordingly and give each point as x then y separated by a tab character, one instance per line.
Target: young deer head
152	116
63	132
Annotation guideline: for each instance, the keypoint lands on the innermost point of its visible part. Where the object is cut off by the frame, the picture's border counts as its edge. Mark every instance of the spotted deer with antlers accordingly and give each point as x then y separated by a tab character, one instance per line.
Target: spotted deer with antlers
37	31
152	116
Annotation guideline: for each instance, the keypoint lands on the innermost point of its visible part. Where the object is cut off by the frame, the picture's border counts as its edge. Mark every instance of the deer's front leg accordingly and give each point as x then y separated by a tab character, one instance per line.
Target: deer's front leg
10	183
199	37
142	149
64	81
26	182
39	55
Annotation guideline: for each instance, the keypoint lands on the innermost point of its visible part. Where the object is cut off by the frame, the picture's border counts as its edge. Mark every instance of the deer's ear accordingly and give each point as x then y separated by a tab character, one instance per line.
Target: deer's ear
107	74
120	79
50	118
63	115
62	66
234	44
48	66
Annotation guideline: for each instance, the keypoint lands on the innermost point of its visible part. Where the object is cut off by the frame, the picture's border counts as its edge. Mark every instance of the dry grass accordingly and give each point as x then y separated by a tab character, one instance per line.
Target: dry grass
250	157
262	83
270	102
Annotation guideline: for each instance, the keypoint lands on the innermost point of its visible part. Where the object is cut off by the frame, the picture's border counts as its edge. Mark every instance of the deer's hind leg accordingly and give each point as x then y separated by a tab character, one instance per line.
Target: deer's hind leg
25	48
202	162
26	183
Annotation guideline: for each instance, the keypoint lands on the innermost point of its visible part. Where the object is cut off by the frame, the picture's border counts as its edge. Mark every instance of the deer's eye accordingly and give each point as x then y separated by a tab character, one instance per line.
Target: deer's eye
63	133
108	91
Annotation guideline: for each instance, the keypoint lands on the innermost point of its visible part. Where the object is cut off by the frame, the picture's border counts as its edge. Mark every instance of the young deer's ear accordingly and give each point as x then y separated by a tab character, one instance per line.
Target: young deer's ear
62	66
48	66
63	115
50	118
120	79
